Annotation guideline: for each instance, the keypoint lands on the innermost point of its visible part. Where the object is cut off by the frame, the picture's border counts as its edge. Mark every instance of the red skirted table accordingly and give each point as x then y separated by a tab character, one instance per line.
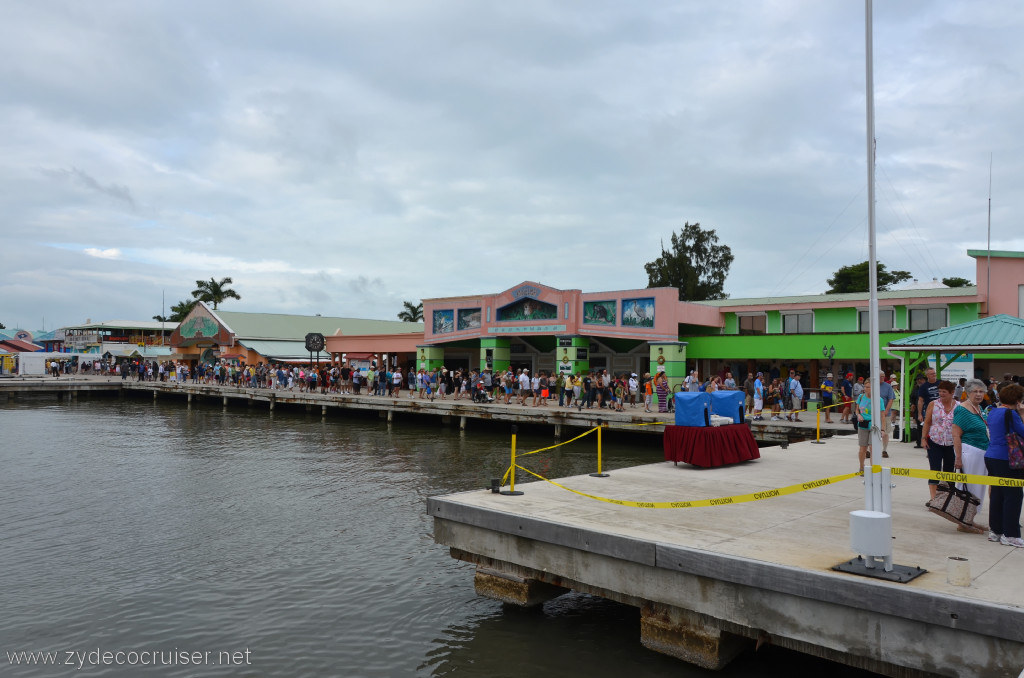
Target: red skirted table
710	446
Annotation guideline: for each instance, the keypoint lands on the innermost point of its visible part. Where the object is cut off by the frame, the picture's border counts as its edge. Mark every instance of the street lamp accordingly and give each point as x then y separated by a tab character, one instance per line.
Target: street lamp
830	353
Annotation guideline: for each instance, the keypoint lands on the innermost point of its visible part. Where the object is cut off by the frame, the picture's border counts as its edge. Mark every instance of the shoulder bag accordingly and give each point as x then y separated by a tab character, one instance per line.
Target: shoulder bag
1014	445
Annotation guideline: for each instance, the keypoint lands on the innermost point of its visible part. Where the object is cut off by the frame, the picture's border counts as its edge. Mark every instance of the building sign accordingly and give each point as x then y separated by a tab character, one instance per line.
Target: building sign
961	368
599	312
582	353
564	341
526	291
520	329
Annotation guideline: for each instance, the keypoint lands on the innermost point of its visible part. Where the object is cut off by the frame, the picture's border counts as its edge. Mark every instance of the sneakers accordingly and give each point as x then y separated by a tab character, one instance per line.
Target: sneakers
992	536
758	418
885	455
1012	541
775	418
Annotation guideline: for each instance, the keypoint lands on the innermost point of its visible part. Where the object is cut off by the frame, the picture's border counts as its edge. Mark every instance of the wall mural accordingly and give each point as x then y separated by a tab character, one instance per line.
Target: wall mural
599	312
527	309
469	319
198	326
638	312
444	322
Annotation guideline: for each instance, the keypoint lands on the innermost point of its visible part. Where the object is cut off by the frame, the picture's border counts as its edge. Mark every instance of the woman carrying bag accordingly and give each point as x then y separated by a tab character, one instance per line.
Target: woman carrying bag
1004	508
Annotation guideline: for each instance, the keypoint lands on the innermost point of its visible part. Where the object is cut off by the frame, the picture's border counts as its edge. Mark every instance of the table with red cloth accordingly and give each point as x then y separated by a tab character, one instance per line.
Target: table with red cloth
710	446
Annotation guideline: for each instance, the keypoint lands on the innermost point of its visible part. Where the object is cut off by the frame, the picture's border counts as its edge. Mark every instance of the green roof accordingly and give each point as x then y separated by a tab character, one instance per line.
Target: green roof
996	334
296	327
1004	254
969	291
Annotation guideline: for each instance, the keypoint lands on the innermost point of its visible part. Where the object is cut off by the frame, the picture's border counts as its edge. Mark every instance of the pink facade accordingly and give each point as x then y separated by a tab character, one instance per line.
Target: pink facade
1006	272
531	308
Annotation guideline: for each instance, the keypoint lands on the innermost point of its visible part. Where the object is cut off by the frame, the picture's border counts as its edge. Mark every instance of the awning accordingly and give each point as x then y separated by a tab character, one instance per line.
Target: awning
360	356
278	350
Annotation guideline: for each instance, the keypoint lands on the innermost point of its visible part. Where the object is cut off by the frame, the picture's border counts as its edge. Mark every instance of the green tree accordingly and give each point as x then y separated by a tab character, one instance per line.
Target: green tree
696	264
211	291
854	278
956	281
412	313
178	312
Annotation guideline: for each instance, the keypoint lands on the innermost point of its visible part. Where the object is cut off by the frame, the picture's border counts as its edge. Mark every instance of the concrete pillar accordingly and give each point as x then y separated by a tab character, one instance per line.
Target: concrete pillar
273	399
190	397
309	408
558	431
74	395
689	636
391	415
224	401
513	589
446	420
154	394
462	423
323	410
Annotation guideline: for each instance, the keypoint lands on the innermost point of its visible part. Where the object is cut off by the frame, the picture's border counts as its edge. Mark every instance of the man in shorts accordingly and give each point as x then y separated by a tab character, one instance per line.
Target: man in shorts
758	397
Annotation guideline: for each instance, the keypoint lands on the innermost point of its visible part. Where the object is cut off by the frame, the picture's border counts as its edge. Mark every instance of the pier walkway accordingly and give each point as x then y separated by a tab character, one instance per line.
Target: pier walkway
450	411
712	581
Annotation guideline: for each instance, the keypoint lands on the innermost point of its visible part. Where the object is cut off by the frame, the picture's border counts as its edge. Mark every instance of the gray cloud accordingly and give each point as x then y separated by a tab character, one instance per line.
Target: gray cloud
340	157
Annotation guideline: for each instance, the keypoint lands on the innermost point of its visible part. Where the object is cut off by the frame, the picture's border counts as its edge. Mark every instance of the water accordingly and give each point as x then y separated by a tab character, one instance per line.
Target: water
158	527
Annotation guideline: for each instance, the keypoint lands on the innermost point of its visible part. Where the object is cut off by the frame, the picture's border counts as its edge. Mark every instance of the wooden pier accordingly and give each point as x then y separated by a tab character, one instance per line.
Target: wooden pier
462	412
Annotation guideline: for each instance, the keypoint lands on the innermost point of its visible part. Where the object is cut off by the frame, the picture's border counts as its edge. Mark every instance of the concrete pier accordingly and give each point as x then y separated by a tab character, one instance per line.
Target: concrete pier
712	581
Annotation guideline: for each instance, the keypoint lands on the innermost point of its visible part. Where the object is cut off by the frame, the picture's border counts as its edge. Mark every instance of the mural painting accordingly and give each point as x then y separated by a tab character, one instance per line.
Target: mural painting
444	322
638	312
599	312
527	309
198	326
469	319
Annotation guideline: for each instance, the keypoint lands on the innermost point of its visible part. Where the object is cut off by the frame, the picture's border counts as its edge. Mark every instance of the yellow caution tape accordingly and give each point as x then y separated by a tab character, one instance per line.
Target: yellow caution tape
957	477
720	501
551	447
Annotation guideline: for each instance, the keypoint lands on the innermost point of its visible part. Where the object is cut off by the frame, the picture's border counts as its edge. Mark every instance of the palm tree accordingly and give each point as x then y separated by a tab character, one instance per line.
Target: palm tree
413	313
211	291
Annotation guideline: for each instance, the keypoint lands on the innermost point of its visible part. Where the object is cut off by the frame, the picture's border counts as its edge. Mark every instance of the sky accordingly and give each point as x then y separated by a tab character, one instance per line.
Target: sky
340	157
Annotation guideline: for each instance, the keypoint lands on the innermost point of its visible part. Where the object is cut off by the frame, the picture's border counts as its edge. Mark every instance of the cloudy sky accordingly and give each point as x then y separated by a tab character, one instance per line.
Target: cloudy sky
340	157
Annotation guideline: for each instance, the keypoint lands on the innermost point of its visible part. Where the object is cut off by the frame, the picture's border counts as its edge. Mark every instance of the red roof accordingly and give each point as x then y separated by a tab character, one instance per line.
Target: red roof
19	346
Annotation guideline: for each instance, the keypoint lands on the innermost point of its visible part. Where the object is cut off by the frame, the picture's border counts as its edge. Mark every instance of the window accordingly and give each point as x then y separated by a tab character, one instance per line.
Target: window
925	319
798	323
885	320
752	324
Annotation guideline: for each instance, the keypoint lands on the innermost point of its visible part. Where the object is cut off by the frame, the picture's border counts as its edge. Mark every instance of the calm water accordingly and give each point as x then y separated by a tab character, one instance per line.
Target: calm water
140	526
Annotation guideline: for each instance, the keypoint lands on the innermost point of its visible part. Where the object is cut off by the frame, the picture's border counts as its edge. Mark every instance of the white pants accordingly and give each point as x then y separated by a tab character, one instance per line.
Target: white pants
974	464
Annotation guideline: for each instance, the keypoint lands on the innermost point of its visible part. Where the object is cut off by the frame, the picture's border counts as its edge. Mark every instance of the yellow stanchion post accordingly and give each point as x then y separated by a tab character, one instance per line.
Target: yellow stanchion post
817	439
512	478
599	474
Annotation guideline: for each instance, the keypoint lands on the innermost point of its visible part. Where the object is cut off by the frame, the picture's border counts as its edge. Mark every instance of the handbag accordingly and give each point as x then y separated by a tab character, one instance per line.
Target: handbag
1014	447
954	504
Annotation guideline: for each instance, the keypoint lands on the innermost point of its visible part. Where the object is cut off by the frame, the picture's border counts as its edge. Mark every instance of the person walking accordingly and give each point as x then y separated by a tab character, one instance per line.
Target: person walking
827	387
1004	507
862	414
661	385
970	441
937	432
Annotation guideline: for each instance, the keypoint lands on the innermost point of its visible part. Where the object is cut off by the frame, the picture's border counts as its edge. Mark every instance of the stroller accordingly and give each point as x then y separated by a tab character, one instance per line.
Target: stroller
480	393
